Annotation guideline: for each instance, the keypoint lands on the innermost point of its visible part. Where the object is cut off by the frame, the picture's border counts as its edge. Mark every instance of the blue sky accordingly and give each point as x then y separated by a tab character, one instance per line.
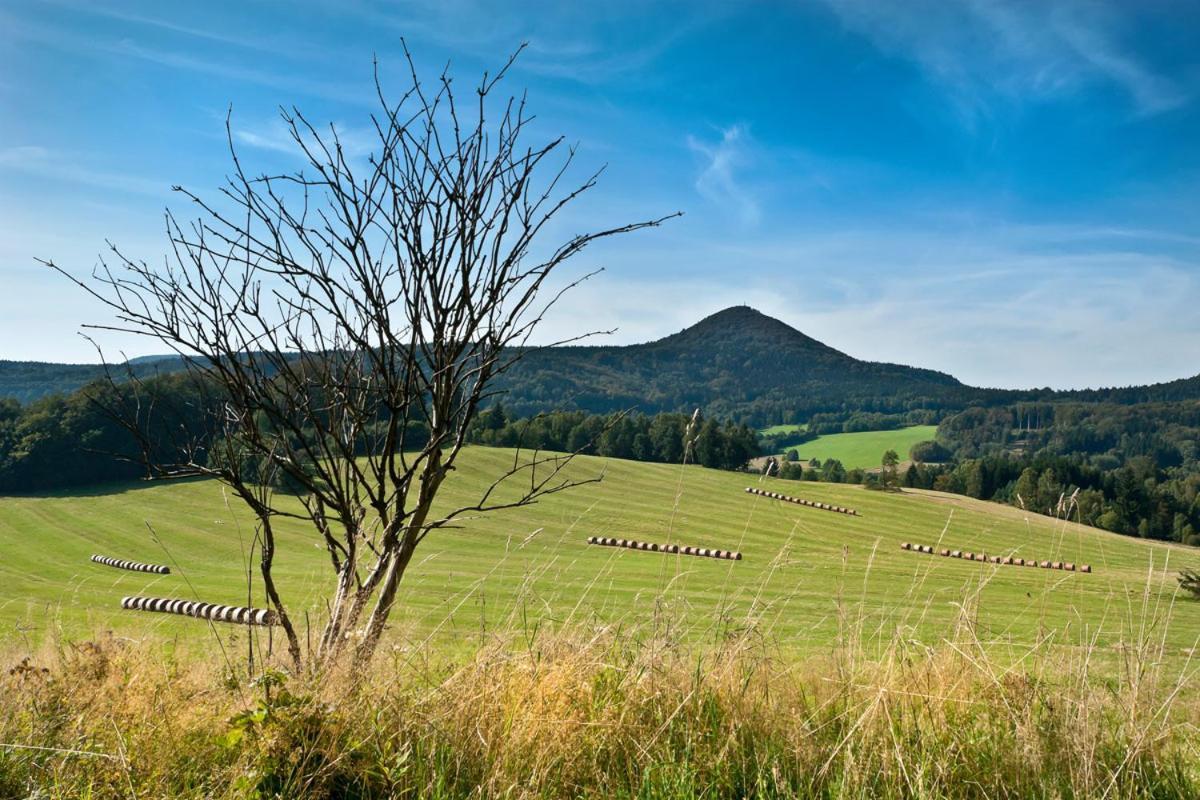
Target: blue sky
1009	192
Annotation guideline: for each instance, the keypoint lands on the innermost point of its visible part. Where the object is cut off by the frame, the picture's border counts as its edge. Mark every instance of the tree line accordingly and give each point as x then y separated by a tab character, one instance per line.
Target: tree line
665	438
71	441
84	438
1131	469
1136	499
1128	469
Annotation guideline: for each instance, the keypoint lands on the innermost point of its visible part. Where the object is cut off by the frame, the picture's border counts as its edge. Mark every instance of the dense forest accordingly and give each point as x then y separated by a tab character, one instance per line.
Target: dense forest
640	437
61	442
1128	469
1137	499
1133	469
27	381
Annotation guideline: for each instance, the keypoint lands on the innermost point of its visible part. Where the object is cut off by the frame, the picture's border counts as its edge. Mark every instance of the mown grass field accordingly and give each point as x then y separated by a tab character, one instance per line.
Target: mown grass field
864	450
805	572
776	430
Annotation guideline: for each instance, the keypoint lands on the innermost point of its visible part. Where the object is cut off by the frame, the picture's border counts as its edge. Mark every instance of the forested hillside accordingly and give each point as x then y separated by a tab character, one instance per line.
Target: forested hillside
1133	469
26	381
662	438
738	364
64	441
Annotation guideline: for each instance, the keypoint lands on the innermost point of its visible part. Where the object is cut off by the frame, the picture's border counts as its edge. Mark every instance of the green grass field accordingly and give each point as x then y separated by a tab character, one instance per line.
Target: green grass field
804	570
776	430
864	450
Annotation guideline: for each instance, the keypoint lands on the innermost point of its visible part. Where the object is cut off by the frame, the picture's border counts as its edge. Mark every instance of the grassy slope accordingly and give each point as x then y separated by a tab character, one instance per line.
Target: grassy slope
867	448
776	430
519	566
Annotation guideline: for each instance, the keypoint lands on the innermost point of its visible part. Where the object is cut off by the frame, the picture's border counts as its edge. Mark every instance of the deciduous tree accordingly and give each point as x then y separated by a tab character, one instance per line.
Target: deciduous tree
324	313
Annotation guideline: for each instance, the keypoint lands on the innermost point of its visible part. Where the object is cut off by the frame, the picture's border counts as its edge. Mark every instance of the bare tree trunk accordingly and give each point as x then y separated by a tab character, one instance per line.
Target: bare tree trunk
335	628
266	565
391	581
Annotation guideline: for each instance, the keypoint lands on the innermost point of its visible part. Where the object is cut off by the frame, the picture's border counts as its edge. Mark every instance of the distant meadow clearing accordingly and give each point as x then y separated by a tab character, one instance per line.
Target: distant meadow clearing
857	450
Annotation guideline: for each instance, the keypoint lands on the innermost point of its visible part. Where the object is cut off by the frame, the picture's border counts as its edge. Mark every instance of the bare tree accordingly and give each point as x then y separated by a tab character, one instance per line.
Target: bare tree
346	323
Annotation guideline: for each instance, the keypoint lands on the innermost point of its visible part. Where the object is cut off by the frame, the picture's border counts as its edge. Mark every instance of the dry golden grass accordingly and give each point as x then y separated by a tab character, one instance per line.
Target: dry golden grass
606	713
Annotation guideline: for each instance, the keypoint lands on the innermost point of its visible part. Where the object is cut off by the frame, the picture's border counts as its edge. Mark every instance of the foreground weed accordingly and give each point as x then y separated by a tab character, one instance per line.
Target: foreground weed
601	714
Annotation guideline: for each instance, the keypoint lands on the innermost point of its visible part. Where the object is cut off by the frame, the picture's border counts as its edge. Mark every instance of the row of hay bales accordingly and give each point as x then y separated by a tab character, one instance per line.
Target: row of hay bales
133	566
213	612
800	501
683	550
209	611
1005	560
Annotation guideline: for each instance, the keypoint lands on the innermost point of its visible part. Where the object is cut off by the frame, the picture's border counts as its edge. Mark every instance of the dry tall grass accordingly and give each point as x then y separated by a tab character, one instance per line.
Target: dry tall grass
607	714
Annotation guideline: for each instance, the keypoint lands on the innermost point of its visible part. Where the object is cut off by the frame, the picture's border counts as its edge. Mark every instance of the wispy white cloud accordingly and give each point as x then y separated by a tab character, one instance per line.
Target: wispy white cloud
606	43
719	180
15	29
256	43
994	304
268	137
224	68
979	49
274	135
1151	93
589	62
45	163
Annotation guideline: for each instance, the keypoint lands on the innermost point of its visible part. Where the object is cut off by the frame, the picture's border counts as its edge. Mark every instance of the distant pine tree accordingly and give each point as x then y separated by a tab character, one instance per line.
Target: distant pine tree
1189	581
